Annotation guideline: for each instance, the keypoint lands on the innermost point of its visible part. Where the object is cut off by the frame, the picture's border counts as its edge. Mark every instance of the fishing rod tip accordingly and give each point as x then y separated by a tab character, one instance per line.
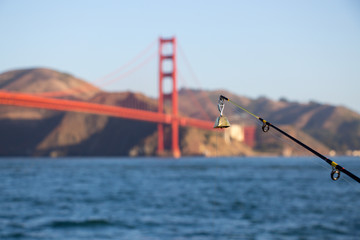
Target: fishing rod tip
223	97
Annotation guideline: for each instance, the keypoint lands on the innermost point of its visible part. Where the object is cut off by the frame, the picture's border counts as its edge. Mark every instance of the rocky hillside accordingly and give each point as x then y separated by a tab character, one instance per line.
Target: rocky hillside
46	82
328	129
37	132
43	82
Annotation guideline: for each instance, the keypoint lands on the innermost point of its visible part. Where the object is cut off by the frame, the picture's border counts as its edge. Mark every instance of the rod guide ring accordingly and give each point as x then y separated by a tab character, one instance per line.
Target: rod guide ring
335	174
265	127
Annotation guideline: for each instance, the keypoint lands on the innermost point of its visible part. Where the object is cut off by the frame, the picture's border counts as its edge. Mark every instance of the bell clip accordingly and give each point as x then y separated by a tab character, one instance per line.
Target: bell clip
221	121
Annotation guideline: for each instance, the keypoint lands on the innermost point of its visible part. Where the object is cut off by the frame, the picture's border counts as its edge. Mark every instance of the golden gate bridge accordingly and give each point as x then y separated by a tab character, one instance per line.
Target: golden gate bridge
49	101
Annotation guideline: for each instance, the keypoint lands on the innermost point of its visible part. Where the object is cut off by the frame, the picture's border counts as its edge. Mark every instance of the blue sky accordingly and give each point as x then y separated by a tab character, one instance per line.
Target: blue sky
301	50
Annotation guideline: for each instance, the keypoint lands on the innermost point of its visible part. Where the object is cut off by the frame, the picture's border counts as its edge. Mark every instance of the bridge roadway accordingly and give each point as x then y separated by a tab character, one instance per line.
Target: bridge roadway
32	101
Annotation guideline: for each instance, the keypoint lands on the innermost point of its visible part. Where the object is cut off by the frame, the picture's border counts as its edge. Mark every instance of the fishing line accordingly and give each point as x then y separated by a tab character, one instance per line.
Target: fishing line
216	184
346	179
336	168
295	146
298	148
216	144
281	138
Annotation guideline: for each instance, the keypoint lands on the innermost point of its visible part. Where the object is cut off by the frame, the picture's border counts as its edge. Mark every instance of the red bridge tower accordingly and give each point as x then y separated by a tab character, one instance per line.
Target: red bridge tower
167	71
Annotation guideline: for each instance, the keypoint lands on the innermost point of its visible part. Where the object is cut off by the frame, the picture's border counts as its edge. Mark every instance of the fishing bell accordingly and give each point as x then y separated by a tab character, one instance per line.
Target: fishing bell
221	121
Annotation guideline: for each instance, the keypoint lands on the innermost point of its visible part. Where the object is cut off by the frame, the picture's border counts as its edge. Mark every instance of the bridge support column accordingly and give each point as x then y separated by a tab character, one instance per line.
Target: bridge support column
167	71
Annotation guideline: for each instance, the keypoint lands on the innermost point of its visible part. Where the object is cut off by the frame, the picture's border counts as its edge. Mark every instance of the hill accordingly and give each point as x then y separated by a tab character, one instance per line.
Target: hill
44	82
327	127
37	132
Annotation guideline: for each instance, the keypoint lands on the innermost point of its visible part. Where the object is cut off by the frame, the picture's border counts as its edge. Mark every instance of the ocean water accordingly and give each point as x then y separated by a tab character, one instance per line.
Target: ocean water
188	198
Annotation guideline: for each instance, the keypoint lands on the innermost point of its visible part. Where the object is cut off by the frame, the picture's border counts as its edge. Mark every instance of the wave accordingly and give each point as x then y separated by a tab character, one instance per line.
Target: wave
80	223
15	235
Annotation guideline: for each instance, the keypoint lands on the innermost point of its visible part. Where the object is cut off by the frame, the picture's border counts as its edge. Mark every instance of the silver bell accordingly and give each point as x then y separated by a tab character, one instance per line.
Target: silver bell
222	121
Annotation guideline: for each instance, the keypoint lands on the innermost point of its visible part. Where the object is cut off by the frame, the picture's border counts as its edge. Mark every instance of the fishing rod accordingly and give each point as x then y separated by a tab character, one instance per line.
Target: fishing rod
222	122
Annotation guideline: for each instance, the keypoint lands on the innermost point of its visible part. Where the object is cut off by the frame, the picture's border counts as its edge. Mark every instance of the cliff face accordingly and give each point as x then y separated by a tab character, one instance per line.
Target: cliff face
37	132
